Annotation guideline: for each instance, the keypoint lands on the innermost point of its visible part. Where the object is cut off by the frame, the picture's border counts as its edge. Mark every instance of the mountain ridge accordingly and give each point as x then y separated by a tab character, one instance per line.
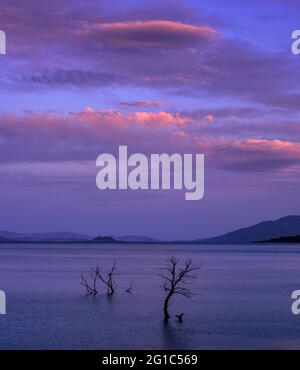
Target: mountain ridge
287	226
265	231
65	236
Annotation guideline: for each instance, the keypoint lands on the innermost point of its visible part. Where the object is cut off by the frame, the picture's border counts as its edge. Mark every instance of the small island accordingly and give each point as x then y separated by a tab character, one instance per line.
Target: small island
105	239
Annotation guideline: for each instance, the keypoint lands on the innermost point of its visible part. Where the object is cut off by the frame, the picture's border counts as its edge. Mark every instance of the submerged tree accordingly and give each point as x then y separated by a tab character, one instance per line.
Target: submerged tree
90	289
179	317
129	289
174	281
97	274
109	282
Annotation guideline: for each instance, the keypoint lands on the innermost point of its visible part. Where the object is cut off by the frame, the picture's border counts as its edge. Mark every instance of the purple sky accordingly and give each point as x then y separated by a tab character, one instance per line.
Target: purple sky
213	77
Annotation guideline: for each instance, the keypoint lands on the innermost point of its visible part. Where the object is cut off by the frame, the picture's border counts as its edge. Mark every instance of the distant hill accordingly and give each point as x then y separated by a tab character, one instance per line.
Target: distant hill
135	239
285	229
285	239
4	240
68	237
263	231
105	239
58	236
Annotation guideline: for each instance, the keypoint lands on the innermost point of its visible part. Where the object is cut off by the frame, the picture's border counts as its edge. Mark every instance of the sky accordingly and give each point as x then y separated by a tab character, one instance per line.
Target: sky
81	78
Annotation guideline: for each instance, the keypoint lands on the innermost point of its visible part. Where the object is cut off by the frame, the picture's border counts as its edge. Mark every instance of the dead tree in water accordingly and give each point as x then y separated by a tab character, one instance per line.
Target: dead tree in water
179	317
91	289
130	289
109	282
174	280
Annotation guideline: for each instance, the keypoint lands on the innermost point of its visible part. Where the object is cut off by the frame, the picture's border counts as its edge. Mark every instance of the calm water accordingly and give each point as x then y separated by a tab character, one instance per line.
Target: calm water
242	298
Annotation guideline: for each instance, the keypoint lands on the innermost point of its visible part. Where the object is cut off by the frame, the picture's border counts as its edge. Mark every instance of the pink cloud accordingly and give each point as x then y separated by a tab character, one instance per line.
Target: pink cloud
161	119
153	33
150	119
143	103
276	146
209	118
254	154
82	135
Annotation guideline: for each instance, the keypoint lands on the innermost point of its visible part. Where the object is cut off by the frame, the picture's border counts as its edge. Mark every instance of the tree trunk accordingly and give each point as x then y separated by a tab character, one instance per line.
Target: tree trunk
166	305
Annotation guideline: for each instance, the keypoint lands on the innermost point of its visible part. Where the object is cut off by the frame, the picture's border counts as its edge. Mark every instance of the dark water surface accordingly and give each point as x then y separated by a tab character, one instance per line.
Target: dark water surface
242	298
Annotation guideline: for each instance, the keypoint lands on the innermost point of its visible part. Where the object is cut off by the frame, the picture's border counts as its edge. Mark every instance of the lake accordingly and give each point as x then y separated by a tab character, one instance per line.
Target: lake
242	297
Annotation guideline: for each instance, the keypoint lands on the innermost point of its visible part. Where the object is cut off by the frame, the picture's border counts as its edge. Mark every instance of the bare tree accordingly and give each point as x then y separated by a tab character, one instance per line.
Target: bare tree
179	317
174	281
91	289
109	282
130	289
